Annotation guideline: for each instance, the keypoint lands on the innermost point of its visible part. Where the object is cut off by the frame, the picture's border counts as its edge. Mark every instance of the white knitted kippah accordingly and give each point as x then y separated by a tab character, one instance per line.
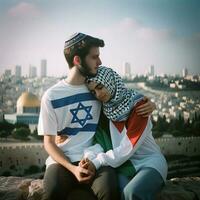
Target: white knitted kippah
74	39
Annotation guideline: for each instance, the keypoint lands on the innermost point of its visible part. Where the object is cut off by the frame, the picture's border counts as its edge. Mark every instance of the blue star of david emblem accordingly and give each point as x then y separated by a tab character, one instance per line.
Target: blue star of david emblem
81	114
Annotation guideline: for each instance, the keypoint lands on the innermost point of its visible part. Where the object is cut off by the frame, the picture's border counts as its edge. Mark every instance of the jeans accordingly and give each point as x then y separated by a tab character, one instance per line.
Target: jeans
143	186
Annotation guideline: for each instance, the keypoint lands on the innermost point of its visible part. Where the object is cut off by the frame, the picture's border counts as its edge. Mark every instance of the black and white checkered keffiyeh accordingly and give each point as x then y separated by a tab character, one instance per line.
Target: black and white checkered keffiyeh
122	100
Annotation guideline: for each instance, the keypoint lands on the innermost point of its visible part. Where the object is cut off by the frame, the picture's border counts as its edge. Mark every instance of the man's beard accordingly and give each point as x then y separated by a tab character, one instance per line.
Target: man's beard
85	70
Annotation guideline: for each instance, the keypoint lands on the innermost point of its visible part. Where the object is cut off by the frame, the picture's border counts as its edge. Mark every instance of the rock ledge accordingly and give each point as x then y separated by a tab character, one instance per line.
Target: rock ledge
21	188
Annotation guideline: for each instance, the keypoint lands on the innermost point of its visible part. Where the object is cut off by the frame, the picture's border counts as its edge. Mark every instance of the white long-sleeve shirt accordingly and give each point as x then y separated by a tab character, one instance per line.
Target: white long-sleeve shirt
131	140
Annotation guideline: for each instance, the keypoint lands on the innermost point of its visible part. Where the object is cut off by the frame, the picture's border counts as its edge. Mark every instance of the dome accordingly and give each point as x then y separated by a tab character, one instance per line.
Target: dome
28	99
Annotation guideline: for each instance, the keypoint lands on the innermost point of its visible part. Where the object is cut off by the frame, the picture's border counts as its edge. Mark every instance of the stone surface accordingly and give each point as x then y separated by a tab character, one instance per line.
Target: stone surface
181	189
20	188
12	188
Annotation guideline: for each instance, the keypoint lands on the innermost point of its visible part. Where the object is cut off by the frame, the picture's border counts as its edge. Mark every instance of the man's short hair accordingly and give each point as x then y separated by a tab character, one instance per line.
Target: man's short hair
79	44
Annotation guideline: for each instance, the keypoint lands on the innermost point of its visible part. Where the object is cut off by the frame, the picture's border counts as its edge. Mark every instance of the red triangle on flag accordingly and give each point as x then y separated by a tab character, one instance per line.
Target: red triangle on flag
119	125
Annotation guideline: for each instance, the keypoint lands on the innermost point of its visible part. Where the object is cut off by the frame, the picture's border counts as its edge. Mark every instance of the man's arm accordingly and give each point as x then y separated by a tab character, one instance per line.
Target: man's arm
82	174
147	108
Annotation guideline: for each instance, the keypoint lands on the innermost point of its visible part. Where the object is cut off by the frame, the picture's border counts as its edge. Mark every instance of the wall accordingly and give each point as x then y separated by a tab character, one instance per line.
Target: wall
189	146
23	155
15	158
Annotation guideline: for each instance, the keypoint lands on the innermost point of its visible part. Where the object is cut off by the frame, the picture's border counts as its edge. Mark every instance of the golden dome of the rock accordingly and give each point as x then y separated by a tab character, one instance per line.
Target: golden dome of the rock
28	99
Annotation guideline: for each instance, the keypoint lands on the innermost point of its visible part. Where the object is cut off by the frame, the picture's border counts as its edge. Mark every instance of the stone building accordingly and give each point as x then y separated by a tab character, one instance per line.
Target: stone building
28	108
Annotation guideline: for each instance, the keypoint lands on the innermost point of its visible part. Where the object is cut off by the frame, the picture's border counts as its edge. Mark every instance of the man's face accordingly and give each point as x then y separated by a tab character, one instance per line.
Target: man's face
92	60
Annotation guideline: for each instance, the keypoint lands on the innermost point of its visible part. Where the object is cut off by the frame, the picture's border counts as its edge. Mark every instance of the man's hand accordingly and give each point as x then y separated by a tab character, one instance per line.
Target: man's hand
82	175
87	164
147	108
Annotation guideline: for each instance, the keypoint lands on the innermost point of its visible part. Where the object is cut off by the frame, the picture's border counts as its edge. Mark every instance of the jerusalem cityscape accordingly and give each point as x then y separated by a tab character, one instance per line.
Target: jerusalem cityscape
154	45
179	100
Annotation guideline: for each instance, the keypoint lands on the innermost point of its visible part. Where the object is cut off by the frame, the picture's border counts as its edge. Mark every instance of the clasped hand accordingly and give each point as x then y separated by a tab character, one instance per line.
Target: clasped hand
85	171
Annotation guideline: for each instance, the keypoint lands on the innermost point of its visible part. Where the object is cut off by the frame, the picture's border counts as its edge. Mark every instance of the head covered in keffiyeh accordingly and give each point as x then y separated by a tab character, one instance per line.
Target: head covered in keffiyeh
123	99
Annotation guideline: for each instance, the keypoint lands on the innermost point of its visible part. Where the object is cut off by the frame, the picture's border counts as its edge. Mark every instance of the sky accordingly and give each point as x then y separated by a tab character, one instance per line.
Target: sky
163	33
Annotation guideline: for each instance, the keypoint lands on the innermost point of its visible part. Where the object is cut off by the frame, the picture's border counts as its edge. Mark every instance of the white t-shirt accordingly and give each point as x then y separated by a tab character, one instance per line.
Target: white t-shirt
72	111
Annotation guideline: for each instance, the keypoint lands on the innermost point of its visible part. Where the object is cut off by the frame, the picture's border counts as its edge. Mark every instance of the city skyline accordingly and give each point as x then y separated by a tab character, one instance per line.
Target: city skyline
41	71
165	34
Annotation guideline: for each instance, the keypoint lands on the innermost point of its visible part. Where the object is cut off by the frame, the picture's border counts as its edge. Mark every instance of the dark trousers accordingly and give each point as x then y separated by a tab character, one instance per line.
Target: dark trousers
61	184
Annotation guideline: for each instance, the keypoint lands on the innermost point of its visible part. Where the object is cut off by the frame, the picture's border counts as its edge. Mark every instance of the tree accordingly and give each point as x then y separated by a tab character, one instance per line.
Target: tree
13	167
21	133
6	126
196	128
177	124
157	134
6	173
176	133
180	123
36	136
20	125
4	134
32	170
161	124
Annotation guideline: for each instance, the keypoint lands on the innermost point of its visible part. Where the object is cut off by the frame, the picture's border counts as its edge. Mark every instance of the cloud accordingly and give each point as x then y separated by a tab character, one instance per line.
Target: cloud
129	23
129	26
141	45
24	9
152	34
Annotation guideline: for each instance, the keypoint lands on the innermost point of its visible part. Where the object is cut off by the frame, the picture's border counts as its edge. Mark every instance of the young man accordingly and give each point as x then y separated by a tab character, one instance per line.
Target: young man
68	109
